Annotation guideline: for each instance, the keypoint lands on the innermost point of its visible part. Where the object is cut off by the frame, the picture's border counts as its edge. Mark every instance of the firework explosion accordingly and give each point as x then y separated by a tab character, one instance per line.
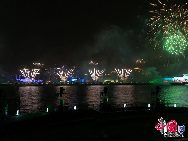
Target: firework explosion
175	44
123	73
64	73
95	73
169	21
140	61
93	63
27	74
38	64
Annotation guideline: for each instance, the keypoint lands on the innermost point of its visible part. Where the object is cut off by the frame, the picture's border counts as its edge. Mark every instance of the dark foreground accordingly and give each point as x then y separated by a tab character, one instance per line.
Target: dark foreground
90	125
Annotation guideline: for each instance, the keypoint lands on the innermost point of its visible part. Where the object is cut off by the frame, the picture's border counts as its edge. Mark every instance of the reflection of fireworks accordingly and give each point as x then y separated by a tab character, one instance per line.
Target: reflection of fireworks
95	74
64	73
123	73
27	74
167	20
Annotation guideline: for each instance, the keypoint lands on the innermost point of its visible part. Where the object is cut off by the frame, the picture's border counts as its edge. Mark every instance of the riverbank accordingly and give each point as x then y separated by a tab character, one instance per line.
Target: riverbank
72	84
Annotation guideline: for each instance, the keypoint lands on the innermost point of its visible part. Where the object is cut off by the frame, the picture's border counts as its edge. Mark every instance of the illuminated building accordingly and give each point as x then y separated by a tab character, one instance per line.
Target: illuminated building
29	80
138	70
75	80
184	78
110	77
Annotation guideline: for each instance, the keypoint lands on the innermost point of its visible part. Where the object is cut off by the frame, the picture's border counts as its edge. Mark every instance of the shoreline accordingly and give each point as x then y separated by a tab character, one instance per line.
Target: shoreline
82	84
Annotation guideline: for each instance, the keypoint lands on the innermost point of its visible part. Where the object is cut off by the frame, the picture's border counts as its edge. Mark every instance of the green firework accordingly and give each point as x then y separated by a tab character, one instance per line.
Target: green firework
175	44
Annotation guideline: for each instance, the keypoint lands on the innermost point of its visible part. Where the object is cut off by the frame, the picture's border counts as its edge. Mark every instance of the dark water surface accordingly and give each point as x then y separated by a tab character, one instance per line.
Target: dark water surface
37	98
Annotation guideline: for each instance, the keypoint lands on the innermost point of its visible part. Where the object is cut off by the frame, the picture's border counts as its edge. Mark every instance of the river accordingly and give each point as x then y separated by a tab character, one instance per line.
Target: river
38	98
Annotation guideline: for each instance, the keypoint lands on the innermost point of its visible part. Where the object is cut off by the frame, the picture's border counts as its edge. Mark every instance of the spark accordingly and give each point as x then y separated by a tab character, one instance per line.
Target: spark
123	73
168	19
95	73
27	74
176	44
93	63
64	73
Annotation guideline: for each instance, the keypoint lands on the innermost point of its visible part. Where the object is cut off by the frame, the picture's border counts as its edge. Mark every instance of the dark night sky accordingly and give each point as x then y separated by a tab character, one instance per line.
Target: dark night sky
72	32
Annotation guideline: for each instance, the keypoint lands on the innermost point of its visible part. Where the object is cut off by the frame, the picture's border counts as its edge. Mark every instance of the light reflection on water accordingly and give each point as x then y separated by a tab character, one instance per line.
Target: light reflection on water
175	94
36	98
30	97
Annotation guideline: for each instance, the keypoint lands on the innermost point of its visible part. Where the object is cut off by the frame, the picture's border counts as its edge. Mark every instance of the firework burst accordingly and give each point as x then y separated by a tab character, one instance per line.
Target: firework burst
64	73
27	74
123	74
175	44
168	20
95	73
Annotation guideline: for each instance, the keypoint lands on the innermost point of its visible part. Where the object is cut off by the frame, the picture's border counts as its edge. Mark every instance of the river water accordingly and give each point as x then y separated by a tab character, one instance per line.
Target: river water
38	98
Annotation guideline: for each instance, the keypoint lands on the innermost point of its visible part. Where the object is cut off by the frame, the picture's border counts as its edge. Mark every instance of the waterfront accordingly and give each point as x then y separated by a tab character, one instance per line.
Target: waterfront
37	98
90	124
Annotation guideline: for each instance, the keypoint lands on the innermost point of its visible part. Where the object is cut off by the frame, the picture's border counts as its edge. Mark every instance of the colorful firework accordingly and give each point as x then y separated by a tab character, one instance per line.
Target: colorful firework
175	44
168	19
95	73
123	74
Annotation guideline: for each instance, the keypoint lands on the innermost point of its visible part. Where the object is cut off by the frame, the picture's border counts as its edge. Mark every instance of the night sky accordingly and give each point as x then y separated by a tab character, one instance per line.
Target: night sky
72	32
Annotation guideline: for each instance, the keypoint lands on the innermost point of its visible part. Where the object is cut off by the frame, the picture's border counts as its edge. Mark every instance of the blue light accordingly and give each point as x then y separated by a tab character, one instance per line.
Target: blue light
81	80
30	80
167	79
74	79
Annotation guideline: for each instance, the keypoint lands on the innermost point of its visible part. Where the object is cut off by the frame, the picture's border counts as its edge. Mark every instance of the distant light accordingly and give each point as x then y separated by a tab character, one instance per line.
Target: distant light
136	68
17	113
47	110
107	99
124	105
149	105
74	107
175	105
